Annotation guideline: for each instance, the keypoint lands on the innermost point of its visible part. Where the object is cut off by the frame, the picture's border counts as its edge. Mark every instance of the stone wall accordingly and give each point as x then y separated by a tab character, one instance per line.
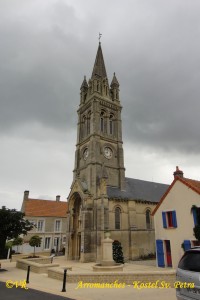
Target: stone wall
34	266
121	277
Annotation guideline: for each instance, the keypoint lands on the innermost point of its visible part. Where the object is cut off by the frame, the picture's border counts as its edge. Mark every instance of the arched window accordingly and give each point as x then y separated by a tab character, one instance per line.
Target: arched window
148	219
117	217
98	86
89	123
111	124
102	121
117	95
84	127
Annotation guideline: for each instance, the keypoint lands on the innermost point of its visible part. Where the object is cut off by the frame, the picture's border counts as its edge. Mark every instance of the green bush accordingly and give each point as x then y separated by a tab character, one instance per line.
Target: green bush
118	256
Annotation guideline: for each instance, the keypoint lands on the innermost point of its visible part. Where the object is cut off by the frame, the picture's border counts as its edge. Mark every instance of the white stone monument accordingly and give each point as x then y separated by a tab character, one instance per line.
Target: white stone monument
107	263
107	253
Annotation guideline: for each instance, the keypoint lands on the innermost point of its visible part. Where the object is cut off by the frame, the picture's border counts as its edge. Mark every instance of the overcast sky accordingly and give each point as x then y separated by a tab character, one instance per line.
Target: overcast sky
46	47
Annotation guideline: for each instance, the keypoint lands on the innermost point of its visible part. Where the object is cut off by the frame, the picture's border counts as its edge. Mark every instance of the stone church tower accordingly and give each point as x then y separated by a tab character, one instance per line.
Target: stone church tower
99	144
99	160
99	174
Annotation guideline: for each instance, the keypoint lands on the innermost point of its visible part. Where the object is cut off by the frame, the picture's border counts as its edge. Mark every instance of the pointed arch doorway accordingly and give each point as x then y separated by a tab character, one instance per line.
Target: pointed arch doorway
75	226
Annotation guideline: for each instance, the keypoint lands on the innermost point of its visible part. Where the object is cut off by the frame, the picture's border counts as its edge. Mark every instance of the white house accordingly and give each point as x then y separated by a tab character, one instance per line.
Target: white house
175	218
50	219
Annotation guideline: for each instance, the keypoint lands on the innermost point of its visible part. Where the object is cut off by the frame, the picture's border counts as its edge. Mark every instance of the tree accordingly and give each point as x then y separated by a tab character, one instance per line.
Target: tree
9	245
117	252
12	224
17	242
35	241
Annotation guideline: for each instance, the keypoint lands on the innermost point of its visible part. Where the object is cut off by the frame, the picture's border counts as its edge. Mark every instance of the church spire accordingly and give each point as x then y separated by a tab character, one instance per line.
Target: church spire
84	84
114	88
99	66
114	81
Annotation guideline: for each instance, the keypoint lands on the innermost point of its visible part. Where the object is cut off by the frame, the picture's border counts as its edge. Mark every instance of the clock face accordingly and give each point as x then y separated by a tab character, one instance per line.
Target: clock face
85	153
108	152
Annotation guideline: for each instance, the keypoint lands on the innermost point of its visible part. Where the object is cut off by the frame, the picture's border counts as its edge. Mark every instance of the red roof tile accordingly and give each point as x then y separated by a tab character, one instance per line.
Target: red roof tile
193	184
45	208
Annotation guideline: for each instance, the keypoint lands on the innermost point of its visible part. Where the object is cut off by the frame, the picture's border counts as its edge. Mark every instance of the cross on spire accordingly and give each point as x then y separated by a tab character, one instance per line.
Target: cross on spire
100	34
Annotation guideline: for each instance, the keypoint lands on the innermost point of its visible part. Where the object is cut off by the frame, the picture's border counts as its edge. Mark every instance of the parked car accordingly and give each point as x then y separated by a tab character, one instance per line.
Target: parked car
188	271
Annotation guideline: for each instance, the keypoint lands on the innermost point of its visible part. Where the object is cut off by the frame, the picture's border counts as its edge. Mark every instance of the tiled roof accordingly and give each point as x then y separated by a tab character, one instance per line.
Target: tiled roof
45	208
137	189
192	184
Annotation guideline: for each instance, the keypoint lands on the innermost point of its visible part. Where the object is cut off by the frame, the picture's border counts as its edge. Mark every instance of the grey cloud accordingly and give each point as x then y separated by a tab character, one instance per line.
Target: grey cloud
47	47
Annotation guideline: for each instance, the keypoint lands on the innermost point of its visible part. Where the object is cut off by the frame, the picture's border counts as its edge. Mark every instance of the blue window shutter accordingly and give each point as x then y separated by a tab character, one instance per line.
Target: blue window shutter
187	245
164	219
194	216
174	218
160	253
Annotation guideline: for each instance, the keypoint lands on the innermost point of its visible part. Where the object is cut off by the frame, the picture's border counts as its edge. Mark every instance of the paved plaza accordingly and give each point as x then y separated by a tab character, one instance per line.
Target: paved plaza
42	283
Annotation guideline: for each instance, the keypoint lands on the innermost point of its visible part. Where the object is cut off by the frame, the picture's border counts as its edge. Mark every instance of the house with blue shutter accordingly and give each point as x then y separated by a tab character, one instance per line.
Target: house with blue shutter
175	216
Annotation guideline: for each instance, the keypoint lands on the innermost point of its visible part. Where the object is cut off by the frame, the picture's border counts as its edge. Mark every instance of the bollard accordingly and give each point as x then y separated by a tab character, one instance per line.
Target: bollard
28	272
64	280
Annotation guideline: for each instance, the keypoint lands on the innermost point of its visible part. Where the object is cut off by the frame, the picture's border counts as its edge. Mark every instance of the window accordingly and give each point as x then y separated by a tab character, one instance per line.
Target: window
148	219
196	214
106	90
56	243
40	225
102	122
57	225
111	124
47	243
84	127
64	239
117	217
169	219
88	123
117	94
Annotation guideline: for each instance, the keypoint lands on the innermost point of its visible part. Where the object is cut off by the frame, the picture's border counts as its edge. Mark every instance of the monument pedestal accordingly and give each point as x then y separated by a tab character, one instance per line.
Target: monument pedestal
107	263
107	253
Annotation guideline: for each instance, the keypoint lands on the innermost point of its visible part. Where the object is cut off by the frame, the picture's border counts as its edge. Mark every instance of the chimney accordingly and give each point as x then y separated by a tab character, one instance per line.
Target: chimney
178	173
26	194
57	198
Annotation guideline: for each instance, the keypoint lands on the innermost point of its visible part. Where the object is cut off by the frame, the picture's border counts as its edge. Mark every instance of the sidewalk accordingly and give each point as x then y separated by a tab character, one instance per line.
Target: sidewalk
42	282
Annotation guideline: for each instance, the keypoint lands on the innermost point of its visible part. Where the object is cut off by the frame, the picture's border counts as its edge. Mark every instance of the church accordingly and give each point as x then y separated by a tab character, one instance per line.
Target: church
102	200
